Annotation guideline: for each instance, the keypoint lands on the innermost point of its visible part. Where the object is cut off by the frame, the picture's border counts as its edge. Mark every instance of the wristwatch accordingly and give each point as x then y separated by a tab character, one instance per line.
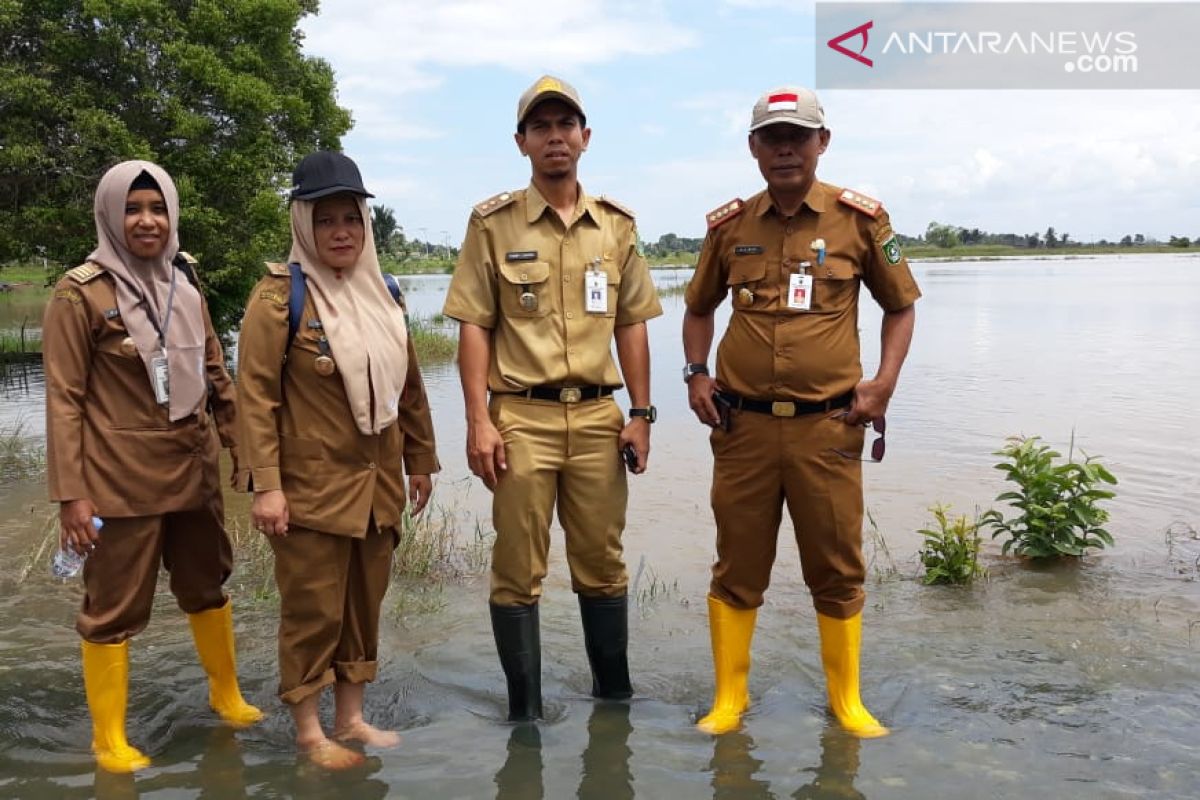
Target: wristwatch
694	369
649	412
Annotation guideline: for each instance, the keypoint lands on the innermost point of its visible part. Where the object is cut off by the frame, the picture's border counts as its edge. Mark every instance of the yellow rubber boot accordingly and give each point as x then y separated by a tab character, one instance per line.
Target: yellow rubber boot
106	683
841	641
213	633
731	630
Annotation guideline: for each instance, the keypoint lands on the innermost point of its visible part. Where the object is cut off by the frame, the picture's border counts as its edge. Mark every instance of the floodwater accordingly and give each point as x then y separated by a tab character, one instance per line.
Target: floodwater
1077	681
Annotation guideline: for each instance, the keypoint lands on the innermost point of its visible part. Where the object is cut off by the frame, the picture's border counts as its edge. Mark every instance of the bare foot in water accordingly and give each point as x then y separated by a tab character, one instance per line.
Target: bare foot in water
331	755
368	735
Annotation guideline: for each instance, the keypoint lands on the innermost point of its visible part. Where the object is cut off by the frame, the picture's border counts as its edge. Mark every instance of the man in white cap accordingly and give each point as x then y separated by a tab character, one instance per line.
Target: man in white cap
789	404
547	278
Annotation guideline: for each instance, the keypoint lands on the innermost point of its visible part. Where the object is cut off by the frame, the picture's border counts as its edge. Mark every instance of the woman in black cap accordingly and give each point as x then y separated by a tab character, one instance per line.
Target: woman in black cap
332	415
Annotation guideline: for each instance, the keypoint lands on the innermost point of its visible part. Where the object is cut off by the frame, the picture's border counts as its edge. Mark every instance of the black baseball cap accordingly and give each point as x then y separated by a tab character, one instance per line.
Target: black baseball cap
324	173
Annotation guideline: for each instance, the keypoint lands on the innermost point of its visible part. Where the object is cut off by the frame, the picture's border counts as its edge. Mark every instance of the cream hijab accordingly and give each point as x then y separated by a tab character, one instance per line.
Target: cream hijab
364	325
144	286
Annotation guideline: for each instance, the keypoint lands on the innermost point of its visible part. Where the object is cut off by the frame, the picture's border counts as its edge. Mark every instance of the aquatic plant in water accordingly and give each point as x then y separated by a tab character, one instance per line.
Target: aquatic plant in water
951	551
1057	503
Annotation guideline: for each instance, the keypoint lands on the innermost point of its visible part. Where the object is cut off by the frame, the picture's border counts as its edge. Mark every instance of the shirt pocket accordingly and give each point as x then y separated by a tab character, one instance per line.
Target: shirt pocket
523	289
752	285
613	279
835	286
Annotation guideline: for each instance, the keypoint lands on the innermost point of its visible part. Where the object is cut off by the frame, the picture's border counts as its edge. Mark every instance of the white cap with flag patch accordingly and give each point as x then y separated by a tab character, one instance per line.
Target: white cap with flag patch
791	104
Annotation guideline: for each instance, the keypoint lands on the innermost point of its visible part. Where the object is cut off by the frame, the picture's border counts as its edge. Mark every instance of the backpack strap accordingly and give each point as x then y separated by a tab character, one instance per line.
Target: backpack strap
393	287
296	297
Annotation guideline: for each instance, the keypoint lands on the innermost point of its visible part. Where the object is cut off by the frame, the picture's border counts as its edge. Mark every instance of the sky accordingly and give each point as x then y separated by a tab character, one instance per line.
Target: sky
668	87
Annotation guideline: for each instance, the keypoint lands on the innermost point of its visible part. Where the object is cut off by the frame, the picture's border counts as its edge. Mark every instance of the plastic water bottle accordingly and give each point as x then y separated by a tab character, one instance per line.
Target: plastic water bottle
66	562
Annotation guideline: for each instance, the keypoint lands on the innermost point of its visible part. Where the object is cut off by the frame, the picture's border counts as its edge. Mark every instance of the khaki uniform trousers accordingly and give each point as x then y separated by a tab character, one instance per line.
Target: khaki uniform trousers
564	453
763	462
330	592
120	575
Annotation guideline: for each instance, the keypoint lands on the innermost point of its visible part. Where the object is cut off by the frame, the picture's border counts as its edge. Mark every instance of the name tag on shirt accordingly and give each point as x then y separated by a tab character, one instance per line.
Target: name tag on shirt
595	292
799	296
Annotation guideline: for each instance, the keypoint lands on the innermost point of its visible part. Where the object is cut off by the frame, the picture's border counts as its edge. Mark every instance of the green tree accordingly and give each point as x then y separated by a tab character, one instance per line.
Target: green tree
940	235
1051	238
216	91
384	227
1127	241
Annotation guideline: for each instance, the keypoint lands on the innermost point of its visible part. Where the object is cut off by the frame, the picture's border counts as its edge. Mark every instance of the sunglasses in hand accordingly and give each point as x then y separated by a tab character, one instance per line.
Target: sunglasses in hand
878	447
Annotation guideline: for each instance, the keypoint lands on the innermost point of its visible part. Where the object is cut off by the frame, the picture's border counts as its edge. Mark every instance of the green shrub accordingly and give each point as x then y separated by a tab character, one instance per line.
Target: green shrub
1057	502
951	552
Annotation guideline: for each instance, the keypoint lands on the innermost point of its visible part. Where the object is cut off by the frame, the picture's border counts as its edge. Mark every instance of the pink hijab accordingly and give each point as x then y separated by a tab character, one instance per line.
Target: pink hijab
144	286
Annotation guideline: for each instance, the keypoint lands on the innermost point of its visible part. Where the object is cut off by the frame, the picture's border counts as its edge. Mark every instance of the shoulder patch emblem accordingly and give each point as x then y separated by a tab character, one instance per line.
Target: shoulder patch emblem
719	216
70	295
494	203
275	298
860	202
608	201
85	272
891	250
277	268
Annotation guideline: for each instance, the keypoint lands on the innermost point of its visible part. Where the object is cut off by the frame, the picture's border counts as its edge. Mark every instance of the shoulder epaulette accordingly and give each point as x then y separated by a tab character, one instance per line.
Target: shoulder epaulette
278	269
494	203
860	202
608	201
85	272
188	257
719	216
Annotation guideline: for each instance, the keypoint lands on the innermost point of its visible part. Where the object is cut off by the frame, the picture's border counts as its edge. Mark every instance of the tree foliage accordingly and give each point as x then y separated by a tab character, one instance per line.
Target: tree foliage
216	91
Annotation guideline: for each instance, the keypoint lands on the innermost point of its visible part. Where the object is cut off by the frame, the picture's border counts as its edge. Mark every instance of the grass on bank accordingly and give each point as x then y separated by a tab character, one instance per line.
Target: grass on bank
986	251
22	455
434	338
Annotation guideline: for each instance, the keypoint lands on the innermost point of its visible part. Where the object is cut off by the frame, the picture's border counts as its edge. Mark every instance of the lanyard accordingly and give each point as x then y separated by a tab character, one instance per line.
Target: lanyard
153	317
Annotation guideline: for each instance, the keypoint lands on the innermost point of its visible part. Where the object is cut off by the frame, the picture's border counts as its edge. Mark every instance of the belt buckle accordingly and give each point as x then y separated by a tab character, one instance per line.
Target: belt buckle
783	408
571	394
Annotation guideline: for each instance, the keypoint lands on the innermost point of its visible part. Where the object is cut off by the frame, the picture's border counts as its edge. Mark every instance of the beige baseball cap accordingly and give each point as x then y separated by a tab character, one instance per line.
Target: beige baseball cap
794	105
548	87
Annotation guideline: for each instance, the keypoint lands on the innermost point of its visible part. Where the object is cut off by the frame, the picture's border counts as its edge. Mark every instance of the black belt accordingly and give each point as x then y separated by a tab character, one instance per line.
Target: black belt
786	408
565	394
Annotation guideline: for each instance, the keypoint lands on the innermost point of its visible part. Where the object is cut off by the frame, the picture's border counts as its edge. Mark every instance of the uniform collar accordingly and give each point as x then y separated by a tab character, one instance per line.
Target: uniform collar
536	205
815	199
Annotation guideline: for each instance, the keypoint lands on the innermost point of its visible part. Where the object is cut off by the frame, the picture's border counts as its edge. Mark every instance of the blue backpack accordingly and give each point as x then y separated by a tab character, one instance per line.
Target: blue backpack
299	291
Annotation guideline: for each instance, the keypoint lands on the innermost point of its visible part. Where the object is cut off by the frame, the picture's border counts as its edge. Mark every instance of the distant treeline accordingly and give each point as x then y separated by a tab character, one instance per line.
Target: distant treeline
948	236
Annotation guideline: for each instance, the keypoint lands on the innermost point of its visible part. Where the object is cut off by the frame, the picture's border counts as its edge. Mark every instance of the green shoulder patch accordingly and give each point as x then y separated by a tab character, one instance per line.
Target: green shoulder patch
891	250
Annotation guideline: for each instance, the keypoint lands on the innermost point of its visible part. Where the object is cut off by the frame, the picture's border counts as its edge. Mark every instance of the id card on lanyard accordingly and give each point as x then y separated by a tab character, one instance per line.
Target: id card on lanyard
159	365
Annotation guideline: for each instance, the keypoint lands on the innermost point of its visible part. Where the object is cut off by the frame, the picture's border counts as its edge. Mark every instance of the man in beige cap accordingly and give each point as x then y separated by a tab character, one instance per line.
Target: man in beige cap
789	403
547	277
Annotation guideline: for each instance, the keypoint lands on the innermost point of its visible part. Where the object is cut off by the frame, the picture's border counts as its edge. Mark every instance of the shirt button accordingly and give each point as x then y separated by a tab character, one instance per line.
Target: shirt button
524	276
570	315
788	230
571	352
567	243
371	465
567	279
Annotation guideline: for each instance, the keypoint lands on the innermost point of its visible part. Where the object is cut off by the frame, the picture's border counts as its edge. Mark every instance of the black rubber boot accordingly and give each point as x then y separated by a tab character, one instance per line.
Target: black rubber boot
606	636
519	643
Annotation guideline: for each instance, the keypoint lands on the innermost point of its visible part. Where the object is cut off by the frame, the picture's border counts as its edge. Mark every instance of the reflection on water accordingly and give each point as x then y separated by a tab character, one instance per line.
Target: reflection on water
1074	681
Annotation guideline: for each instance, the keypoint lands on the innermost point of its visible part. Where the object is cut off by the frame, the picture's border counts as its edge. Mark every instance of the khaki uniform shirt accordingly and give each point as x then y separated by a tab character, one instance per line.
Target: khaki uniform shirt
517	245
770	351
107	438
297	432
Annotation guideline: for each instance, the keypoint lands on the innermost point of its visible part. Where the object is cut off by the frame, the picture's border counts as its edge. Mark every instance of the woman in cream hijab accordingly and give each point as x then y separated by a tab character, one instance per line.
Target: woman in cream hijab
135	379
330	421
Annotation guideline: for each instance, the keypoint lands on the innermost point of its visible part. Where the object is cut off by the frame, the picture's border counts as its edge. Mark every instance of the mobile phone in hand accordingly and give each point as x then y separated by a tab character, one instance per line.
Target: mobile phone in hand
630	456
724	412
